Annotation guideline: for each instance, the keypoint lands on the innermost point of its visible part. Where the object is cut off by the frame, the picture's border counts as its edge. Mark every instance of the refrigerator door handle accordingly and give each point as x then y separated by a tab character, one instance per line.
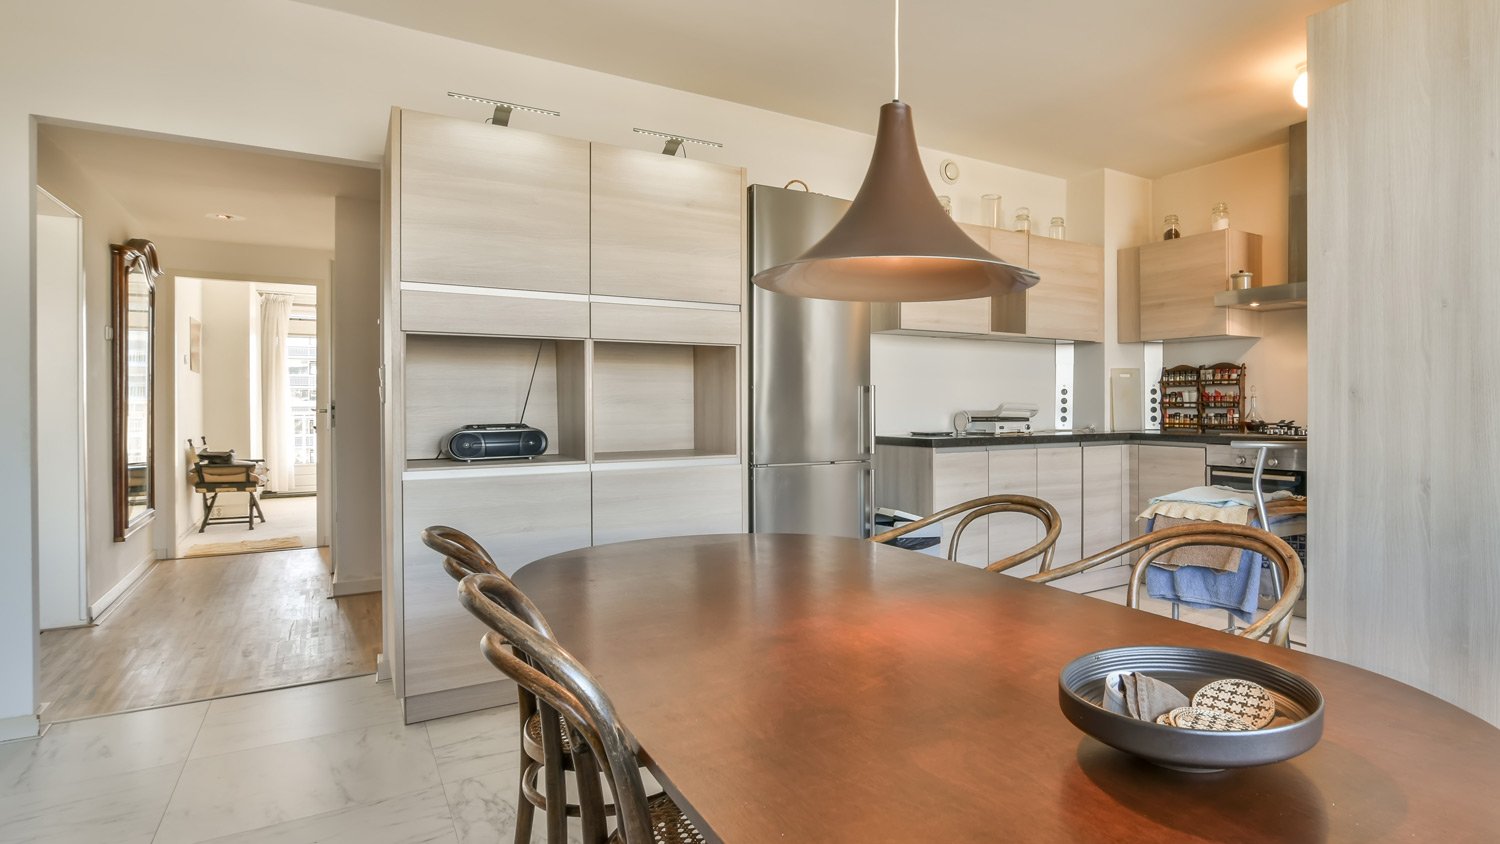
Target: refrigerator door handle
867	419
869	480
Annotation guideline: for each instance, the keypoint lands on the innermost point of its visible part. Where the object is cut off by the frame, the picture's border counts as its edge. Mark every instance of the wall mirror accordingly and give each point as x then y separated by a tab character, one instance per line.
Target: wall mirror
134	322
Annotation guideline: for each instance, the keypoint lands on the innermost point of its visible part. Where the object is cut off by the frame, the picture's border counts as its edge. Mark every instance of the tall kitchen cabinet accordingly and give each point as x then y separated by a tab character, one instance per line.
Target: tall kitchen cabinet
590	291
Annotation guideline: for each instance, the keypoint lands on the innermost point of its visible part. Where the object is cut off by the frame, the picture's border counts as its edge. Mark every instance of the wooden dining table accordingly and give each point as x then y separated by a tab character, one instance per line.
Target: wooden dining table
789	688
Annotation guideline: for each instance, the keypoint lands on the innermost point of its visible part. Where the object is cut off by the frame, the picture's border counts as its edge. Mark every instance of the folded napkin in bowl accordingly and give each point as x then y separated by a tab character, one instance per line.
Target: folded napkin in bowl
1136	695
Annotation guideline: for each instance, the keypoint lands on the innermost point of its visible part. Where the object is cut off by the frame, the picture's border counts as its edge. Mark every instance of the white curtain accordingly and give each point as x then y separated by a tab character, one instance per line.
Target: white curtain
276	415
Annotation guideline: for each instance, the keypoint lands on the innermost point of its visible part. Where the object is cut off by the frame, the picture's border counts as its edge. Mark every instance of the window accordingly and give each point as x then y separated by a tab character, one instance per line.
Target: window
302	380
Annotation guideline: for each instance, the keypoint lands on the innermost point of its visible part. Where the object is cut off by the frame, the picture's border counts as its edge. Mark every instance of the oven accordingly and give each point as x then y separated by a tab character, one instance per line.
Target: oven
1286	469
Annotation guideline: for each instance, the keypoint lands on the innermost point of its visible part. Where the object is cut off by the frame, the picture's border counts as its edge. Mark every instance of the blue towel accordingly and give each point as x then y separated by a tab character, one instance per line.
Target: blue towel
1207	589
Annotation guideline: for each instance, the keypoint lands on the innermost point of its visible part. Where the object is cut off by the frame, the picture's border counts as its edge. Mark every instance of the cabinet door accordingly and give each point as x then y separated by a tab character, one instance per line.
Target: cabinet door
492	207
1008	313
959	477
1162	469
1068	304
666	227
1179	278
517	519
1013	472
1059	481
649	503
1104	497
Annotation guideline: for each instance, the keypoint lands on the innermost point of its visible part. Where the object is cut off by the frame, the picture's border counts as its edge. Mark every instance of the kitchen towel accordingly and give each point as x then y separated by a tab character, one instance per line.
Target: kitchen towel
1209	504
1237	592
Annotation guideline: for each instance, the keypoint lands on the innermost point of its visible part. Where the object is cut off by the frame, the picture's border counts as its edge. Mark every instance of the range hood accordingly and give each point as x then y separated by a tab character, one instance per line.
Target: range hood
1292	294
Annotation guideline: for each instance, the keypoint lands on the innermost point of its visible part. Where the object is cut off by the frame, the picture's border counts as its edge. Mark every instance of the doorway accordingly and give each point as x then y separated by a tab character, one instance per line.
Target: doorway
245	314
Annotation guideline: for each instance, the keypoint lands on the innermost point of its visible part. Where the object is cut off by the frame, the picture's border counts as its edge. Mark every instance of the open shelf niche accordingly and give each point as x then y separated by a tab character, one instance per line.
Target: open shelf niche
663	401
452	381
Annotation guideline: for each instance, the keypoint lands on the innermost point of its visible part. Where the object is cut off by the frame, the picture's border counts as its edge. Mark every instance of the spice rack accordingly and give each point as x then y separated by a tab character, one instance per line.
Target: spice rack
1203	398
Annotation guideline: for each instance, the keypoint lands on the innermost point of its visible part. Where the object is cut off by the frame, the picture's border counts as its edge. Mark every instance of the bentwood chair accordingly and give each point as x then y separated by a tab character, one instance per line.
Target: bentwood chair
546	743
1277	620
542	667
988	505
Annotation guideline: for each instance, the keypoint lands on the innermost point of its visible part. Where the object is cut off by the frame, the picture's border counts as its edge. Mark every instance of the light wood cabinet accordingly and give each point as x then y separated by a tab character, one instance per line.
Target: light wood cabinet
492	206
641	504
960	317
1162	469
958	476
1013	472
1105	498
1178	279
447	312
518	518
1068	303
666	227
658	400
1059	480
614	321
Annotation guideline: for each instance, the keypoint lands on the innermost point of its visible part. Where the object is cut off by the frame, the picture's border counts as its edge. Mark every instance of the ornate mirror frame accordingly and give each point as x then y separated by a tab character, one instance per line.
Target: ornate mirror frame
134	257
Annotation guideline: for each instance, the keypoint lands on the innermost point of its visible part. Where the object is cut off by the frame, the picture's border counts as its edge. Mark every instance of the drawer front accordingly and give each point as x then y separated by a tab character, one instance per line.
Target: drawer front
664	324
651	503
519	316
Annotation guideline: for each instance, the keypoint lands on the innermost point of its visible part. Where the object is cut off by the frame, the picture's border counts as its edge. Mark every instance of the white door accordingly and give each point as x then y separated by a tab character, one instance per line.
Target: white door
61	499
303	379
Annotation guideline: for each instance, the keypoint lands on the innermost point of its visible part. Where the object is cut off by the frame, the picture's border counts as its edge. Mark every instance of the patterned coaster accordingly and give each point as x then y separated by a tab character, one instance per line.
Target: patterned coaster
1165	719
1196	718
1243	699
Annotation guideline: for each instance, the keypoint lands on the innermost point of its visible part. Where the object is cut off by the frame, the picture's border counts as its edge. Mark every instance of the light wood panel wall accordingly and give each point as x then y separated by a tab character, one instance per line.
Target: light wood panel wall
492	206
1403	259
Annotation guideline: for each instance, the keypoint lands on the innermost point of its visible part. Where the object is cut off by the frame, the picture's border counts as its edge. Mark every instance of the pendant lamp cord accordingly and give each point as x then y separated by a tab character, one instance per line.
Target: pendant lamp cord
897	62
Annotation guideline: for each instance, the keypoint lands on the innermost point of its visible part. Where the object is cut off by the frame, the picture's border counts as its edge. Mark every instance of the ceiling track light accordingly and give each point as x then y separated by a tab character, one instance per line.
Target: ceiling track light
503	108
675	142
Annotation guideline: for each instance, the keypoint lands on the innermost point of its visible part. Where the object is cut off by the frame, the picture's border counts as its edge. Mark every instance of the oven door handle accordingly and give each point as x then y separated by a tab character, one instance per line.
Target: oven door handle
1267	476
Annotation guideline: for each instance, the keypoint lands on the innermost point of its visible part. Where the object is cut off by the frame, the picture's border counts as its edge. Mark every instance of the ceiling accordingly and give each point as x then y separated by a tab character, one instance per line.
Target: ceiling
1145	86
171	186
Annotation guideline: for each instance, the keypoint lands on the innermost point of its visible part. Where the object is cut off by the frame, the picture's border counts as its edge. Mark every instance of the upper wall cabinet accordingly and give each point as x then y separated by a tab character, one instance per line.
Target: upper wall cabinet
666	227
962	317
1178	279
1068	303
492	206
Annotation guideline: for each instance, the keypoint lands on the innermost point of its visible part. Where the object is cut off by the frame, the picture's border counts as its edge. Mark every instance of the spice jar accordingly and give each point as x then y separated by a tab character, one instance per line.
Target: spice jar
1169	228
1218	218
1023	219
1057	229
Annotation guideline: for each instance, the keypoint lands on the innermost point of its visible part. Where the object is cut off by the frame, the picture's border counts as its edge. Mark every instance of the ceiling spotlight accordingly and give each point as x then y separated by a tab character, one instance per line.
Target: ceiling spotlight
1299	88
224	218
503	108
675	142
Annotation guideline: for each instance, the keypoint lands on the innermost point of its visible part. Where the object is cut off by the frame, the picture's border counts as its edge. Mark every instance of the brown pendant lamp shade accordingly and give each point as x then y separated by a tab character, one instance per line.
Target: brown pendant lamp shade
895	243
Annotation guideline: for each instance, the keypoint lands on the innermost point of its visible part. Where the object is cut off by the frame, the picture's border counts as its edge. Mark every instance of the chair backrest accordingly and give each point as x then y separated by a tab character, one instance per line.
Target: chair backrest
463	556
556	677
988	505
1277	621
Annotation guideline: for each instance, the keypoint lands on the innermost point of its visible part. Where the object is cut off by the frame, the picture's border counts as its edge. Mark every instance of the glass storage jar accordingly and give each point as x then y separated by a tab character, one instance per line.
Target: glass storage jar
1023	219
1218	218
1169	230
1057	229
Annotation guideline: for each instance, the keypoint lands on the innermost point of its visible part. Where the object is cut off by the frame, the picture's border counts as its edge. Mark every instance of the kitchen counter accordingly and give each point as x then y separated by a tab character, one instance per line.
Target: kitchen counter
1070	437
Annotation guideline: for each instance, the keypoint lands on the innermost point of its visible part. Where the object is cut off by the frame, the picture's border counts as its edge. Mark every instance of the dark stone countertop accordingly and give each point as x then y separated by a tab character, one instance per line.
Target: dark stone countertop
1069	437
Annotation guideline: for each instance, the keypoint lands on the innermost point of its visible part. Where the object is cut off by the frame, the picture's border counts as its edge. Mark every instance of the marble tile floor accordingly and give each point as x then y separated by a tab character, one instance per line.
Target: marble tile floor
330	762
1204	618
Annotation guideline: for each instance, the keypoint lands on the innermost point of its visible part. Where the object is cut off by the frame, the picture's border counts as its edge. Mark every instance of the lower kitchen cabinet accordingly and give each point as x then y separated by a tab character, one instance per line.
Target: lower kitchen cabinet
517	518
1059	480
1013	472
1105	496
959	476
1163	469
646	503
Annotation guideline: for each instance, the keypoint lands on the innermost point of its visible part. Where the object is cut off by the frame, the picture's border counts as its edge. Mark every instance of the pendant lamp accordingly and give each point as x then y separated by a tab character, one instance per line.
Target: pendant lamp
895	243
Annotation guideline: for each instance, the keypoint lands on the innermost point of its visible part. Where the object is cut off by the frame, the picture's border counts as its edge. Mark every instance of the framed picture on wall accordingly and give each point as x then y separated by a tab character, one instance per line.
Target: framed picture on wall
195	345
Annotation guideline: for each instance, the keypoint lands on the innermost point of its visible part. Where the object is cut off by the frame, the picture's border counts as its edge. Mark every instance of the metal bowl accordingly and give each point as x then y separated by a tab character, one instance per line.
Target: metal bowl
1299	708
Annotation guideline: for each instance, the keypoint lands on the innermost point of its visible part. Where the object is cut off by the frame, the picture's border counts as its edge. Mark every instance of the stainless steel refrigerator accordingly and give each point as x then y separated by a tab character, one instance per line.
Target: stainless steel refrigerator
812	408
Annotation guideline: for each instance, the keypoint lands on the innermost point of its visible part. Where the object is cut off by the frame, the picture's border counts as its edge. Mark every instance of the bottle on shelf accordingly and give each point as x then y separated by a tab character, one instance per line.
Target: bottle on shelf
1057	230
1218	218
1023	219
989	211
1170	231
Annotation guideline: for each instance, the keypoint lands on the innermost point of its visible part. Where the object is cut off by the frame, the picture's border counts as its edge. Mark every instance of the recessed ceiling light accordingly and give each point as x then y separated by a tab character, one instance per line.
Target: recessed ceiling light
224	218
1299	87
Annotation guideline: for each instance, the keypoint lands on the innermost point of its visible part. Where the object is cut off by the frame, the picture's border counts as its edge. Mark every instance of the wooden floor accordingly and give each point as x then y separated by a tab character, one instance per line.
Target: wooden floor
209	627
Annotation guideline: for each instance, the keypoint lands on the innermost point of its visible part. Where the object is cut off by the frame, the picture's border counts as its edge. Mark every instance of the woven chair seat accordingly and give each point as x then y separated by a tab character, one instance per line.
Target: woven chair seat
534	732
668	824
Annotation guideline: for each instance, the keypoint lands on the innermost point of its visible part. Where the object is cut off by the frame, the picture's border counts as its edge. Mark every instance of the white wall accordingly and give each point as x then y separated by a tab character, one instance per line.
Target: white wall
921	381
187	295
230	403
1255	187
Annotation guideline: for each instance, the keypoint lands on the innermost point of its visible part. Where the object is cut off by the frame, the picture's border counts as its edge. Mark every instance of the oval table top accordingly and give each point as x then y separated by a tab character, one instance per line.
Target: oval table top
805	688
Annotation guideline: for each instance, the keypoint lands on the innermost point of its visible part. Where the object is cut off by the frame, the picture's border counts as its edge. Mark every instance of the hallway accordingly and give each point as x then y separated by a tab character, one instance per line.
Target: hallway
208	627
